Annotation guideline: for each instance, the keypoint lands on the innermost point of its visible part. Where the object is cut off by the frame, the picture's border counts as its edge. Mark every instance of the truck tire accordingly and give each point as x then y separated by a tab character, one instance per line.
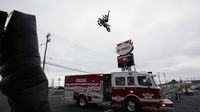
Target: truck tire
82	101
132	105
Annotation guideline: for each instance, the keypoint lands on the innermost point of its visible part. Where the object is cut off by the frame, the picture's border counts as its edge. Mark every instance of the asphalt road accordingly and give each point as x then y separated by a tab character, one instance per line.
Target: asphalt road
58	105
187	104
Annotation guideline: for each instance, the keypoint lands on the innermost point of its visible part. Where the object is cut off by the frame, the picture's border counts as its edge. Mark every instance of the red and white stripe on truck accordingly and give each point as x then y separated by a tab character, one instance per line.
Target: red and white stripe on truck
84	88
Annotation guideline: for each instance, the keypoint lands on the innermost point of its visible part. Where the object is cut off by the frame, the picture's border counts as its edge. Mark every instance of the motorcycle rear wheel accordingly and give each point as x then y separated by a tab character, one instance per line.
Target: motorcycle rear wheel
99	22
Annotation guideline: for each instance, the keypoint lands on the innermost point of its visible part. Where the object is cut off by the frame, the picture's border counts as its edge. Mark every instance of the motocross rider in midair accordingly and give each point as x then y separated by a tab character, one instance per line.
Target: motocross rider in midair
104	21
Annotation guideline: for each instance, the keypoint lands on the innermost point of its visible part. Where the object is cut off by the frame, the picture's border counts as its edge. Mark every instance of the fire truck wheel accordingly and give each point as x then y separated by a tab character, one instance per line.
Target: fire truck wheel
82	101
132	105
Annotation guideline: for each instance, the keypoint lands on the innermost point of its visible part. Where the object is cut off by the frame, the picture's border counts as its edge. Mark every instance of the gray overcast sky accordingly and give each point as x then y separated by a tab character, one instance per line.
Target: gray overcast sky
165	34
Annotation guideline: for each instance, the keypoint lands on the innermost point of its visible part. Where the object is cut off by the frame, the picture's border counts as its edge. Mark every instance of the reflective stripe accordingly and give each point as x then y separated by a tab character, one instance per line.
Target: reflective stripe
118	98
150	100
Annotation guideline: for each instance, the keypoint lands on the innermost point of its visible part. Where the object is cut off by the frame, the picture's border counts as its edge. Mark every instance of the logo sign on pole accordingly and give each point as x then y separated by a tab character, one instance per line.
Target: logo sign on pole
124	48
125	60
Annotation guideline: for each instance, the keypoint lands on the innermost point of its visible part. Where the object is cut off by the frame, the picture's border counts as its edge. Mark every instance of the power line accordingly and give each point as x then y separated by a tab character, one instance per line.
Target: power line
78	46
65	61
69	68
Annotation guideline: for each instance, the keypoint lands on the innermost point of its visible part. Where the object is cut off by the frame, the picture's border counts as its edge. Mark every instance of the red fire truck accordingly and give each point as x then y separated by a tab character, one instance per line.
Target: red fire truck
131	90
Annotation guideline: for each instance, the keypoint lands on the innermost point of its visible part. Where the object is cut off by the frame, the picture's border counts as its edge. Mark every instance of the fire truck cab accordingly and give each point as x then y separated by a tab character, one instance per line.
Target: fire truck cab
130	90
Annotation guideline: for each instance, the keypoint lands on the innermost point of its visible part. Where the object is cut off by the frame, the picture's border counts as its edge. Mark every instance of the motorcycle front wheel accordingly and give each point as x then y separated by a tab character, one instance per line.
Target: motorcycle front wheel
108	29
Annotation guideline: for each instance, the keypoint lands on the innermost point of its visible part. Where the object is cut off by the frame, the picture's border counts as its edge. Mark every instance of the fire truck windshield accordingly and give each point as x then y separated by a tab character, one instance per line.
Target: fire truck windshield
154	81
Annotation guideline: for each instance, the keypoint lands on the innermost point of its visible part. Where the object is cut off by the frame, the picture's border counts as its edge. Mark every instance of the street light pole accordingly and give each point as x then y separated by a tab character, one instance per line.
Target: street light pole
47	41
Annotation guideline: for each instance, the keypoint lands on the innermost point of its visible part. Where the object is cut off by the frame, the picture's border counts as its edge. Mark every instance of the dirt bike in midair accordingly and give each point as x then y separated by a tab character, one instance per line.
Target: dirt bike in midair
103	22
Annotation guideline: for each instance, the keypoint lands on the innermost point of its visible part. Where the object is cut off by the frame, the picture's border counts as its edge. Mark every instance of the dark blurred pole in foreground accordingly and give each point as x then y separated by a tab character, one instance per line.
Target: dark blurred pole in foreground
23	80
3	17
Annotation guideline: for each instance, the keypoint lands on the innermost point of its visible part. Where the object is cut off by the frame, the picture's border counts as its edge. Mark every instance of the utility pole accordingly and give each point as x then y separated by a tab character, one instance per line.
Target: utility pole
47	41
180	79
134	67
58	81
52	83
164	78
159	77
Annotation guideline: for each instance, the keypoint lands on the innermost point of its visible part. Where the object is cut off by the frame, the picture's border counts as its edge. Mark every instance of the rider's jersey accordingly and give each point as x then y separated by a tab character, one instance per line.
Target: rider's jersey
105	18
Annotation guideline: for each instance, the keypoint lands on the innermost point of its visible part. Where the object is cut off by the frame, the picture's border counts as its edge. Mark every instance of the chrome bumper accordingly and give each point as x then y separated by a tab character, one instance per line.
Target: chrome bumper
166	104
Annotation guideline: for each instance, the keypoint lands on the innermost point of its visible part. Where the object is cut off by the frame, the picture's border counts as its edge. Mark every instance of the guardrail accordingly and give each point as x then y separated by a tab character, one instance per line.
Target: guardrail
173	95
56	92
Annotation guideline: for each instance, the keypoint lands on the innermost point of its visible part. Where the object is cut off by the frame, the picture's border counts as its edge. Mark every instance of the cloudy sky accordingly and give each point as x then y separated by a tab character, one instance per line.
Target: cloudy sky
165	34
